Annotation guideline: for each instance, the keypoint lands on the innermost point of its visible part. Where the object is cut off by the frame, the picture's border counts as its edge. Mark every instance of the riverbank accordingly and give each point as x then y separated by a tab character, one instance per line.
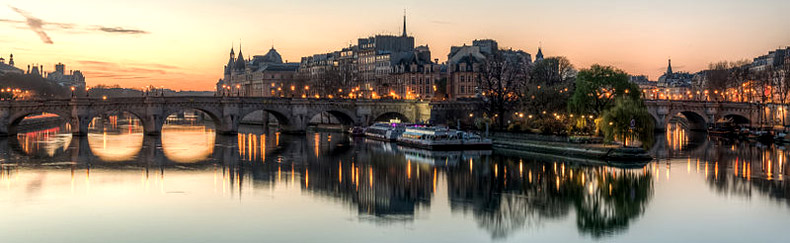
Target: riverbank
585	148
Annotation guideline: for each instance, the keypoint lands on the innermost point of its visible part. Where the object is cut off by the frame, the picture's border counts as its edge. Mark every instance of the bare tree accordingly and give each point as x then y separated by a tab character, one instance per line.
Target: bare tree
718	76
502	82
783	89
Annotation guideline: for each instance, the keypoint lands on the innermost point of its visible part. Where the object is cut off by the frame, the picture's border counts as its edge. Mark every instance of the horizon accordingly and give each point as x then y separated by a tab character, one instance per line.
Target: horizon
183	45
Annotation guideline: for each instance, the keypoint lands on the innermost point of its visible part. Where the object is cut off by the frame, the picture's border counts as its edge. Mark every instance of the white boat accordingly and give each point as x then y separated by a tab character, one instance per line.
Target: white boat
438	138
385	131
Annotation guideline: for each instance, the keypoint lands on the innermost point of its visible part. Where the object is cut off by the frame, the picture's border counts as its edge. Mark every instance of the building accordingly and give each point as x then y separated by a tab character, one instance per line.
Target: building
675	79
773	59
9	67
412	76
73	79
364	69
262	75
464	66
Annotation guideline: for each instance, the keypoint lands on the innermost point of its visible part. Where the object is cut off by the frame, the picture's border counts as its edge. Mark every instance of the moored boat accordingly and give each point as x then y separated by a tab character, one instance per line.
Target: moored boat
385	131
437	138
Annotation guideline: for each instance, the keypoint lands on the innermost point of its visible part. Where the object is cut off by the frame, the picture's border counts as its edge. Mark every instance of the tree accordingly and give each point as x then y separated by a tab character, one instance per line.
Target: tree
550	85
718	76
782	84
598	87
616	122
34	84
502	80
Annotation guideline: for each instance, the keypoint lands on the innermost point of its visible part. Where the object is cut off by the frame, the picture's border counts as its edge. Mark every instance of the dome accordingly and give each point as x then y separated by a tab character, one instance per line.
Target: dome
272	57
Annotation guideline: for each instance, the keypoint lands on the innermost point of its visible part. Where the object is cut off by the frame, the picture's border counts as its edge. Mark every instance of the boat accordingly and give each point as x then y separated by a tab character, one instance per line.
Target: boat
442	138
385	131
356	131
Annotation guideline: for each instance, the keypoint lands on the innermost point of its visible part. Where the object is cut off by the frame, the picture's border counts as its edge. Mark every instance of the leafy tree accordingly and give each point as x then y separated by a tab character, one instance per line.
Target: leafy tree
616	122
598	87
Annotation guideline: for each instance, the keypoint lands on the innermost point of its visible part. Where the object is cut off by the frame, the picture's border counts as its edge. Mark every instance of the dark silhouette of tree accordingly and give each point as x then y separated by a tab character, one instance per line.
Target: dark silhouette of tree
41	87
502	83
550	85
718	76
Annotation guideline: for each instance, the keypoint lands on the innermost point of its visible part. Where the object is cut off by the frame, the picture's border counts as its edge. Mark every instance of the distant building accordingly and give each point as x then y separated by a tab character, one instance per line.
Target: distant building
675	79
539	56
73	79
265	75
464	62
413	76
9	67
773	59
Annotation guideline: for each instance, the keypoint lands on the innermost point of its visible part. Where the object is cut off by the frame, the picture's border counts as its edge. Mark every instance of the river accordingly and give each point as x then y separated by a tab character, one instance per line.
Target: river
190	185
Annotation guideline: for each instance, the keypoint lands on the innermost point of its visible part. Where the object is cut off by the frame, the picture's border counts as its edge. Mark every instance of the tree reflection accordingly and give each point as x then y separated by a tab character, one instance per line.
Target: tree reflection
505	196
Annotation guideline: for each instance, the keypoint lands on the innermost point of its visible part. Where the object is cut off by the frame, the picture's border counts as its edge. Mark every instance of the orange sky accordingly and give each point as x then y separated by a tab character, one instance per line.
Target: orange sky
183	44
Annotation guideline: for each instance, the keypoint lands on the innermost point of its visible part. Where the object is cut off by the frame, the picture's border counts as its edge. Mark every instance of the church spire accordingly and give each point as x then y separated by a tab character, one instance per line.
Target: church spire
669	66
404	23
11	60
231	51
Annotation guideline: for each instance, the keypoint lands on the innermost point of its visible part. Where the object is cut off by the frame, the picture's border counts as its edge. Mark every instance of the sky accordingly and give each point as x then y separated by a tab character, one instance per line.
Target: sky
184	44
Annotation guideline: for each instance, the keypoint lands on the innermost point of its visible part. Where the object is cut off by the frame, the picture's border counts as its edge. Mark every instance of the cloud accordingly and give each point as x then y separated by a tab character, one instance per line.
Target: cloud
35	24
122	30
442	22
39	26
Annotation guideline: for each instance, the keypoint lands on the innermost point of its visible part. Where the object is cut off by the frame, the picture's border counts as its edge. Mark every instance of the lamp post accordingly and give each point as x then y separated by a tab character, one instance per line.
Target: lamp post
72	91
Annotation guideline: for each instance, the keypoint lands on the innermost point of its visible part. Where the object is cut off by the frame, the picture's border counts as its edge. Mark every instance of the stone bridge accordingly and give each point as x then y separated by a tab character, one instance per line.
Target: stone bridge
293	115
701	114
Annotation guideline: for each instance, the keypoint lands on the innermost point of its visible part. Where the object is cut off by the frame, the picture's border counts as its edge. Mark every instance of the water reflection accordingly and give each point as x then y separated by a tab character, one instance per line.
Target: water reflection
731	167
115	138
503	196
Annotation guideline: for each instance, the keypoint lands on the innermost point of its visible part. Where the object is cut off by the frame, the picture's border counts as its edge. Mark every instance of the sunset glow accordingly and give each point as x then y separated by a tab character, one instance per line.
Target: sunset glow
184	44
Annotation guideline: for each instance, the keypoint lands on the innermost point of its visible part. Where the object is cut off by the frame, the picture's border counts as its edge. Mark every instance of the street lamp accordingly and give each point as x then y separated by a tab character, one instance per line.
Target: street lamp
72	91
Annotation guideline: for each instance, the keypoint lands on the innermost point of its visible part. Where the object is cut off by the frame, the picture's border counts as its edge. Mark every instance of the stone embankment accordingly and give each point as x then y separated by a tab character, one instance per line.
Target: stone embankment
587	148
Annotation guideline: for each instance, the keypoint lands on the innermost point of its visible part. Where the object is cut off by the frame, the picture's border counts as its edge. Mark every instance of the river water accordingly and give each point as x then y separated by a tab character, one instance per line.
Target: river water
190	185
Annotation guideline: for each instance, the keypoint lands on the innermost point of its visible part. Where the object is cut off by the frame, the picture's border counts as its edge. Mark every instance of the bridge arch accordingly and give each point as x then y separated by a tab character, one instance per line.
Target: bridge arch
132	112
696	121
16	118
343	116
738	119
282	119
214	115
